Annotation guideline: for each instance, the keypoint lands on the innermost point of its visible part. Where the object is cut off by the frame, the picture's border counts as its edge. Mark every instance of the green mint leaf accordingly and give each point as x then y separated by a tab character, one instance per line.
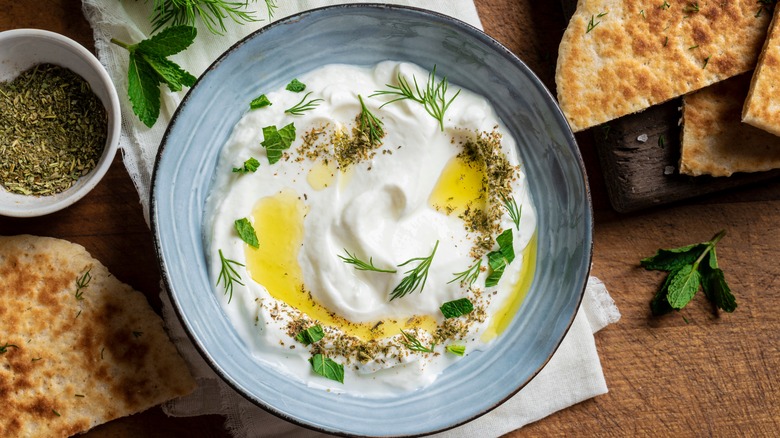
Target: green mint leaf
714	284
247	232
143	90
260	102
497	260
717	291
147	67
456	308
683	286
659	305
458	350
691	267
169	41
497	263
673	259
287	135
250	165
712	260
169	72
310	335
504	241
296	86
326	367
494	276
275	141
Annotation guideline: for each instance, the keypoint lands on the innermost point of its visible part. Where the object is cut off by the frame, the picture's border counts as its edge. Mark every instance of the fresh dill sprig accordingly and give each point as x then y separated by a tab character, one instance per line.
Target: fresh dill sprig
415	277
411	342
433	97
4	348
666	5
303	106
692	7
592	23
271	6
706	61
81	283
469	276
360	265
228	274
370	125
211	12
514	211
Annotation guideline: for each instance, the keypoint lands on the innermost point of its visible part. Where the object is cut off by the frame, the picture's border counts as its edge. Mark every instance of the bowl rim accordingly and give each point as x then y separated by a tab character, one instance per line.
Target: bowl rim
472	31
113	126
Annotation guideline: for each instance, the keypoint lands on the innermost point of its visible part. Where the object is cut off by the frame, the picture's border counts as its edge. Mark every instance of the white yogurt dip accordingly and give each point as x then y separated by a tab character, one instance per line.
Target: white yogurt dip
426	187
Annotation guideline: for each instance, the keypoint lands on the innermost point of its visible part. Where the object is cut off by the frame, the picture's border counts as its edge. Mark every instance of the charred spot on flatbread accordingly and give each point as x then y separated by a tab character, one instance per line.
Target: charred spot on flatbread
621	57
80	347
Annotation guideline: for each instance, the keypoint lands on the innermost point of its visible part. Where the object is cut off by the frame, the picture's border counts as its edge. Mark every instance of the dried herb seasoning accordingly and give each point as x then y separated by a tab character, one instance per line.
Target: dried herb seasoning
53	130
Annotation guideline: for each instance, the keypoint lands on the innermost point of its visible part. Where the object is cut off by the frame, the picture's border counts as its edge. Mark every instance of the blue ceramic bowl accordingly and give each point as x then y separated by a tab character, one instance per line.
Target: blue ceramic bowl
365	35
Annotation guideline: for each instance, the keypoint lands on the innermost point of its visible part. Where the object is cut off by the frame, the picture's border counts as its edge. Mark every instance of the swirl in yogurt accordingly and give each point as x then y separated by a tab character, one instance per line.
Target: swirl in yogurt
423	190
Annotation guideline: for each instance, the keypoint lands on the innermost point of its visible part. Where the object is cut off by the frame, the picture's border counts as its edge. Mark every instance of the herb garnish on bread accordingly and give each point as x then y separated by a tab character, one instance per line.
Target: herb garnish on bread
81	347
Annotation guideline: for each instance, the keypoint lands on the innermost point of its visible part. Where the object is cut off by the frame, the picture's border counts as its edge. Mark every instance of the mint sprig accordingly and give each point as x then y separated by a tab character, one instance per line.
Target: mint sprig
149	67
690	268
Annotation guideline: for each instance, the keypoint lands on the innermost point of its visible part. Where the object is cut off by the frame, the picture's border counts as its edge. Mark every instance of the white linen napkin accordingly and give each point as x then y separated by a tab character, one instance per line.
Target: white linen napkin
573	374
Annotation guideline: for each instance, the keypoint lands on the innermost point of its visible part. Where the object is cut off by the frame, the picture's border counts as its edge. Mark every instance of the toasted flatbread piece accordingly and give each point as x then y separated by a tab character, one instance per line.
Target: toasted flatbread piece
619	57
714	140
762	107
77	346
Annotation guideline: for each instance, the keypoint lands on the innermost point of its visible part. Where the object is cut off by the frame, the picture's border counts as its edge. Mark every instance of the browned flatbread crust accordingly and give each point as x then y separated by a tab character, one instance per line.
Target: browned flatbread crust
762	107
714	140
639	53
69	362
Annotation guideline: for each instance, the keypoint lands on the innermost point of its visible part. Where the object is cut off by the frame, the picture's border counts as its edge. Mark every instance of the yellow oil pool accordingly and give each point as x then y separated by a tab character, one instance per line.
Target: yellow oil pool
278	222
461	184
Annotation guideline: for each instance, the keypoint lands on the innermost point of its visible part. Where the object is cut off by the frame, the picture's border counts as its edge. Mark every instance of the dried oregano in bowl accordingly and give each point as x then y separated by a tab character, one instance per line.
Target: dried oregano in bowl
53	129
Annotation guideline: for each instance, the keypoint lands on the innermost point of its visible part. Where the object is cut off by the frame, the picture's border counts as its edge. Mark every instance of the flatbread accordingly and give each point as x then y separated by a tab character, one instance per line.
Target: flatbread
762	107
70	363
619	57
714	140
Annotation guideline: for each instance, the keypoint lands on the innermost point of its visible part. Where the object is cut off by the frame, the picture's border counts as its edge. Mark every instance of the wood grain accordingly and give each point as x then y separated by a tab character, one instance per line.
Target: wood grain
711	376
640	155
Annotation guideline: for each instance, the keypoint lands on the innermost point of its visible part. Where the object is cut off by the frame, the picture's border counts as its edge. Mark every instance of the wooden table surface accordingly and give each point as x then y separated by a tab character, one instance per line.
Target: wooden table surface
691	373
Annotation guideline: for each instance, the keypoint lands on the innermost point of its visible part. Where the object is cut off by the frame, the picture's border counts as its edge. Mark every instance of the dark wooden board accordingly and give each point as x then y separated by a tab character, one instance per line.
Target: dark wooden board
641	174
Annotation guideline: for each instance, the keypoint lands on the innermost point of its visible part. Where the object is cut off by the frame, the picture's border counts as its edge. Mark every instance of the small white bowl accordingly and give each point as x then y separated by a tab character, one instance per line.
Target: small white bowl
21	49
